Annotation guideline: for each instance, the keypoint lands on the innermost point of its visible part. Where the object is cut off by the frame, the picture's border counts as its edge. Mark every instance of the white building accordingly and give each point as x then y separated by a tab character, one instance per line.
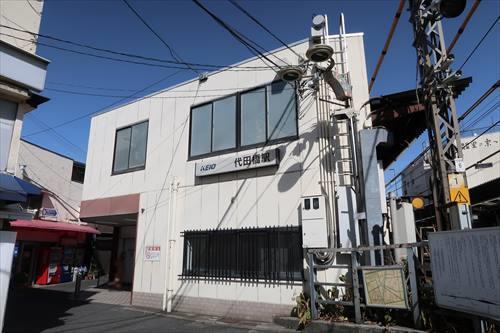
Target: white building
59	177
203	185
482	163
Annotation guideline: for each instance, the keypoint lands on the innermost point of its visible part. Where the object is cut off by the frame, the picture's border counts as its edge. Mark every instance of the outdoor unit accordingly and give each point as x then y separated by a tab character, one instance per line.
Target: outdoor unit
314	229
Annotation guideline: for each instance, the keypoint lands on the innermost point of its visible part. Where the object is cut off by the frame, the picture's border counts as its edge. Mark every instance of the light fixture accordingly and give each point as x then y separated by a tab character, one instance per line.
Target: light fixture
290	73
319	53
451	8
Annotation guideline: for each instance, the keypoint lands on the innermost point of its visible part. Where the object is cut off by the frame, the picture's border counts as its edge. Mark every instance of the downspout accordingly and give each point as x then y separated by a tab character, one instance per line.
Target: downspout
168	288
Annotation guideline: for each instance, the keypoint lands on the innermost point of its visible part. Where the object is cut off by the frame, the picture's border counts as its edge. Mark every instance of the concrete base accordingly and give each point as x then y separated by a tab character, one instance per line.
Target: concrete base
320	326
263	312
147	300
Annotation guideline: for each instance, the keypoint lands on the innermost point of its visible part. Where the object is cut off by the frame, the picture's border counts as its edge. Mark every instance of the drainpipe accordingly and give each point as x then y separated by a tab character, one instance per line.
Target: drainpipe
168	289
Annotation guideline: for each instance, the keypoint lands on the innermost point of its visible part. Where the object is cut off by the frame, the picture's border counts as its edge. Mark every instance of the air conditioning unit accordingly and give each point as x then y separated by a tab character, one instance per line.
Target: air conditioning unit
314	230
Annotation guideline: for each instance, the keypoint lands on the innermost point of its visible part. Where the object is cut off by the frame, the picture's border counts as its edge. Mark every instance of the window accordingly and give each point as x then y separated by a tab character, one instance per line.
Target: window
78	174
253	117
266	114
270	254
281	119
8	111
130	148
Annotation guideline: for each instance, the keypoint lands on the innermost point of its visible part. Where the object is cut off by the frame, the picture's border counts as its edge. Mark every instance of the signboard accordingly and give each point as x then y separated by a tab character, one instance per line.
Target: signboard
465	270
48	213
459	193
7	242
239	162
152	253
385	287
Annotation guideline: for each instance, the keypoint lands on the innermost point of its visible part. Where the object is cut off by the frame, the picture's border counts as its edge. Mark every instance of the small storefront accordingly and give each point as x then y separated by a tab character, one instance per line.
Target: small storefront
46	252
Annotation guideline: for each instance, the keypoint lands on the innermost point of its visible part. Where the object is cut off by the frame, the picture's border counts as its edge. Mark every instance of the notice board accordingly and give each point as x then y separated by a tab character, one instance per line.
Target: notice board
466	270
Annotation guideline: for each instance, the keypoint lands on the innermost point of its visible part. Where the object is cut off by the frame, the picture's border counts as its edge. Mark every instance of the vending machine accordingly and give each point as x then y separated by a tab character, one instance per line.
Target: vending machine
67	264
49	265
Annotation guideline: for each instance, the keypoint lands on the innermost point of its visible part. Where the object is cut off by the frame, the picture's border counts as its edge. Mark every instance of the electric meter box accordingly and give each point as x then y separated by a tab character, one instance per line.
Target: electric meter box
314	230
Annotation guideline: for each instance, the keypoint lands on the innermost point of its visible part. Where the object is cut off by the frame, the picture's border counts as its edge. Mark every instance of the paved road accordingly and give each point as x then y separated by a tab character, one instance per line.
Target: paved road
44	310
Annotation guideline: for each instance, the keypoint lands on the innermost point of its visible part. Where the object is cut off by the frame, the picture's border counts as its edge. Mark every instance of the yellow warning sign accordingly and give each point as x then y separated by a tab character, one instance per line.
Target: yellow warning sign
460	195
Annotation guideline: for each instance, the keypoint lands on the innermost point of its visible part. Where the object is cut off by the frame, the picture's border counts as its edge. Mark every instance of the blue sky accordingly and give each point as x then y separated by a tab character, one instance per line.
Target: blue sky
198	39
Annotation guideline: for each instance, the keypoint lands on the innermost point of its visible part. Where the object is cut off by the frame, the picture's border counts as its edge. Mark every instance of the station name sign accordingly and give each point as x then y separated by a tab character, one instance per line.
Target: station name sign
258	159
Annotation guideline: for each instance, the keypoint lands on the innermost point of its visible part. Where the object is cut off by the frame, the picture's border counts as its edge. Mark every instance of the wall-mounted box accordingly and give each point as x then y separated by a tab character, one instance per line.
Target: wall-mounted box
314	230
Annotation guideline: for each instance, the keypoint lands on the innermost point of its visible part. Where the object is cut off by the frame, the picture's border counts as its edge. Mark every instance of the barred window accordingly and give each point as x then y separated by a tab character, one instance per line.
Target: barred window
270	254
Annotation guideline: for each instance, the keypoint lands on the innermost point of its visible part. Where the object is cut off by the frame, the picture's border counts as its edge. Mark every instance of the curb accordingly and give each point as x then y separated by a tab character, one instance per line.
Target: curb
320	326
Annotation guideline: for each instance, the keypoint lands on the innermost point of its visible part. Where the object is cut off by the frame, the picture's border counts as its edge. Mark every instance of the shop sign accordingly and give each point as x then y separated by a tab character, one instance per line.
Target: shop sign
152	253
48	213
239	162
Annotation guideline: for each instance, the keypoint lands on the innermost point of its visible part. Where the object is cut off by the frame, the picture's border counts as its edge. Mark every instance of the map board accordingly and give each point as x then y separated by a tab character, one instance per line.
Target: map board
385	287
466	270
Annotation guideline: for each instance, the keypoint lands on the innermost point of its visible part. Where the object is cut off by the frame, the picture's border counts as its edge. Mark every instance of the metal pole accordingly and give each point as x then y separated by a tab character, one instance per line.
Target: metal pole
355	287
312	289
441	115
415	306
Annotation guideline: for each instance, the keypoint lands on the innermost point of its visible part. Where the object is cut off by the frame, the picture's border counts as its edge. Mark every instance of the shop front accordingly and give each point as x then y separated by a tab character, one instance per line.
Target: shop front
47	252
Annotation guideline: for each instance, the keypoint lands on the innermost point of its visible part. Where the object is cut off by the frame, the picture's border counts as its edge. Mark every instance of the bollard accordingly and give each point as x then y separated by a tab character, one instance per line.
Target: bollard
78	283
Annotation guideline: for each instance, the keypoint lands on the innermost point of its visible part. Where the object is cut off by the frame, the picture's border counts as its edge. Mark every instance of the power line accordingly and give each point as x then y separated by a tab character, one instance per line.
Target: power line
479	43
125	54
170	49
482	133
236	34
483	159
82	93
466	113
244	11
387	43
59	83
480	100
106	107
64	139
462	27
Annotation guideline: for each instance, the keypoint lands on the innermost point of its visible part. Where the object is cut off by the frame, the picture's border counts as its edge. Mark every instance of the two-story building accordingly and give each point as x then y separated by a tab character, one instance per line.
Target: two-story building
203	182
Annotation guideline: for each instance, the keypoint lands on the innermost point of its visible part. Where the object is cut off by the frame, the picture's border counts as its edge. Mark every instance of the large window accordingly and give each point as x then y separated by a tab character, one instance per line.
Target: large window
259	116
270	254
130	148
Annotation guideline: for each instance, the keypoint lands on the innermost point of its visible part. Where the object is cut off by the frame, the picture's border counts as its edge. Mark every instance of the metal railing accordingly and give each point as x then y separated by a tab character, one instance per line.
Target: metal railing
270	254
354	268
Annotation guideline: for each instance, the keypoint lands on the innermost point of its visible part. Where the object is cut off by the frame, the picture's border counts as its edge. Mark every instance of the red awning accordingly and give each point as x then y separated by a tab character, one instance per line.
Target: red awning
48	225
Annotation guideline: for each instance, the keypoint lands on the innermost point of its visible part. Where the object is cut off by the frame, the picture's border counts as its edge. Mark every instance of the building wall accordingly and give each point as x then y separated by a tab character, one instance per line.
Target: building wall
253	198
52	172
23	15
416	179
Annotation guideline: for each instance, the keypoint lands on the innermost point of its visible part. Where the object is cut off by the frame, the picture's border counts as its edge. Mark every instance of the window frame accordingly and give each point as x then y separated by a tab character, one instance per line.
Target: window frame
239	146
142	167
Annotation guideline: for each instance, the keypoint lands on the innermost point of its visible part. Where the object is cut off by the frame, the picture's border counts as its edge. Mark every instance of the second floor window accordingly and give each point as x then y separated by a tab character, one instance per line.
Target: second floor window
130	148
255	117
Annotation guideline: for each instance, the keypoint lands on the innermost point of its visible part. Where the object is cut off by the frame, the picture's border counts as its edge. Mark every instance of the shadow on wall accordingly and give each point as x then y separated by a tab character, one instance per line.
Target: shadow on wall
301	150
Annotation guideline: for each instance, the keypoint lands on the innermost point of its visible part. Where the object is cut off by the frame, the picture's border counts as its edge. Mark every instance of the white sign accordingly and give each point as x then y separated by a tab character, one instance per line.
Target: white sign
259	159
48	213
152	253
459	165
465	270
7	243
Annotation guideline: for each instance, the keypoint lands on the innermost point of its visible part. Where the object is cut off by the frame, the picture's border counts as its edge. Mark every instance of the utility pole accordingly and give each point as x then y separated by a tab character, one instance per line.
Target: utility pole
449	184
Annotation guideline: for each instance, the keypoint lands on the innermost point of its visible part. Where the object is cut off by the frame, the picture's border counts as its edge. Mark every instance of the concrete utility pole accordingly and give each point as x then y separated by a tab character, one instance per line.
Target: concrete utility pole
449	184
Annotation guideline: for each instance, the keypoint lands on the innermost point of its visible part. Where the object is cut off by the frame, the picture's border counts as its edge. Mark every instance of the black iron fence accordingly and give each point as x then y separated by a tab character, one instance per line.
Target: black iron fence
269	254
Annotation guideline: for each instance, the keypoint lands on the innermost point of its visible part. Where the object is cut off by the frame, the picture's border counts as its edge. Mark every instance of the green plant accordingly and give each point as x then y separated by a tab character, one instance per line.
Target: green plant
303	310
